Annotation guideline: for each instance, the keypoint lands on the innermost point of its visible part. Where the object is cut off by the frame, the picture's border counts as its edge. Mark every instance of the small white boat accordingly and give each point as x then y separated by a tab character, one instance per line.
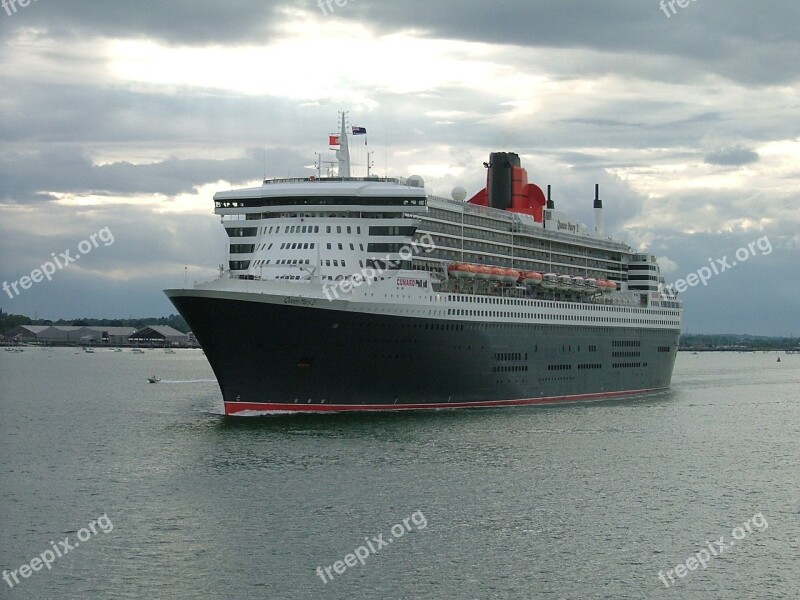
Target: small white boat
88	350
565	283
549	281
137	351
154	379
169	351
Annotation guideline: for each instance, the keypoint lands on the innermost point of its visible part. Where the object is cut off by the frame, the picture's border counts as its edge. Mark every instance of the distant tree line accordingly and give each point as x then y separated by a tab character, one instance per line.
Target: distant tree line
744	342
9	322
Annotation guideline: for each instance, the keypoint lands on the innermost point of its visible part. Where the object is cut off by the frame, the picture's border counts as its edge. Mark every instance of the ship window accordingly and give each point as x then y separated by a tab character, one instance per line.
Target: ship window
329	246
340	247
358	230
348	229
338	229
327	263
336	263
352	247
328	229
316	228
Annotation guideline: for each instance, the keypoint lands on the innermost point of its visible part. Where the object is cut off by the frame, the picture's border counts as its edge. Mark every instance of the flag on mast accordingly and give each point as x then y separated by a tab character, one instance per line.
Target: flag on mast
360	131
333	140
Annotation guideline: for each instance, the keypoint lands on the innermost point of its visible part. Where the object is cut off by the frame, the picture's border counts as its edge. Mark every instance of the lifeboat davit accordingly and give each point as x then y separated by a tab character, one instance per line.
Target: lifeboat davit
531	278
550	281
579	283
590	284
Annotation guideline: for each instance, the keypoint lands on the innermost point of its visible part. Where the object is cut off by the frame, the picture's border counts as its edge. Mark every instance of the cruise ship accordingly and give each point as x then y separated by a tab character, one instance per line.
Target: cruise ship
346	293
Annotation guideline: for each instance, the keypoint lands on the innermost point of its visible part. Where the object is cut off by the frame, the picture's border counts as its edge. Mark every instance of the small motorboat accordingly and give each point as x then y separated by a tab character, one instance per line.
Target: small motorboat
154	379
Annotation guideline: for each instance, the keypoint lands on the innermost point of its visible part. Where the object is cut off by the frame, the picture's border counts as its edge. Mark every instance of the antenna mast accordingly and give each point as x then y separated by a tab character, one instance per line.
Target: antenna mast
343	153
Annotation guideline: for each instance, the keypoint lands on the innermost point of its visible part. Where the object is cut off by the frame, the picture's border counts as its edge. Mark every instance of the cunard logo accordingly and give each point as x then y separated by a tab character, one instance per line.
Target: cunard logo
409	282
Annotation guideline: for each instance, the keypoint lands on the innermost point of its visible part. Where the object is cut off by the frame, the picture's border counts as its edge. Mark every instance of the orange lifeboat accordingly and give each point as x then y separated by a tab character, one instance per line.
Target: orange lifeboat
482	272
511	275
469	271
531	278
455	270
496	273
606	286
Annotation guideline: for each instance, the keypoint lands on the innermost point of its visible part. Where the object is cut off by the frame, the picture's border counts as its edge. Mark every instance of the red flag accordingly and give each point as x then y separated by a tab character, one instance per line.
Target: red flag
333	140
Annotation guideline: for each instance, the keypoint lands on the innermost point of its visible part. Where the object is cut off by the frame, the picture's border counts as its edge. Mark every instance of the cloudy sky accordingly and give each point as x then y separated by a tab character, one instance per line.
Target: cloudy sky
130	115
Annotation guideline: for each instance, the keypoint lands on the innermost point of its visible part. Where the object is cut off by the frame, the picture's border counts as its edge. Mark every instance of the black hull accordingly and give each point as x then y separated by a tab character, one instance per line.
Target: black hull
281	357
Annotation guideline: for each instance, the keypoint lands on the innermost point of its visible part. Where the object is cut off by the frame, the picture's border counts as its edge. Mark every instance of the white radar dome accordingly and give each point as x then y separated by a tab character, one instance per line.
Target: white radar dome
416	181
459	193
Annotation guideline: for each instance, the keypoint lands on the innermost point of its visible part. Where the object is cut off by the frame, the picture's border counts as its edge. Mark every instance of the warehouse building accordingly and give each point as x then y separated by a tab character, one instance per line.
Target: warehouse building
68	335
159	335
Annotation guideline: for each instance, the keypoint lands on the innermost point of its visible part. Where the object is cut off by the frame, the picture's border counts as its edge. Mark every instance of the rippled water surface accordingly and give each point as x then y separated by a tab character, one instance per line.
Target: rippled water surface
575	501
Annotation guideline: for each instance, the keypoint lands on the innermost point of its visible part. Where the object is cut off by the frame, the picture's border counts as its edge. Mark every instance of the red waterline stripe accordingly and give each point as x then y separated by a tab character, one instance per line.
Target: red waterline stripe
232	408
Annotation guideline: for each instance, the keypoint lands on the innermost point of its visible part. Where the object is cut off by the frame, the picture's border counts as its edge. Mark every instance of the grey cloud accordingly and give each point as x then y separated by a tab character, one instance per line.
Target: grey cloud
69	170
735	157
